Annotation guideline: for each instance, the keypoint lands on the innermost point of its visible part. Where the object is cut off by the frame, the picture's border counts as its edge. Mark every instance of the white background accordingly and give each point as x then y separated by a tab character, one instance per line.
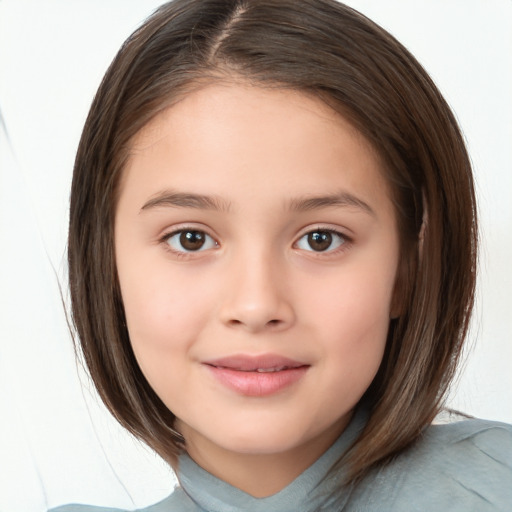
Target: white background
57	444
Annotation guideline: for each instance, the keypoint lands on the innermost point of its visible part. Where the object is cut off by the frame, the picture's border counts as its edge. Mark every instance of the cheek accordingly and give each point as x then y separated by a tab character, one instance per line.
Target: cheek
353	298
352	315
165	314
159	302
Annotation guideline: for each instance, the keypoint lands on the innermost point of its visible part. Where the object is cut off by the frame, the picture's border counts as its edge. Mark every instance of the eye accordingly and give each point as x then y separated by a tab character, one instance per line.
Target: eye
190	240
321	240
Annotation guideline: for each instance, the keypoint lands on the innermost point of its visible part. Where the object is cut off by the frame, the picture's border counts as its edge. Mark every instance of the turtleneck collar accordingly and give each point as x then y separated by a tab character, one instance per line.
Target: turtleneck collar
308	492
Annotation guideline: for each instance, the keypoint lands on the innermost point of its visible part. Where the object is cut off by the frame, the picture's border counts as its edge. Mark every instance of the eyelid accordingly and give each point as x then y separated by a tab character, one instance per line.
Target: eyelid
337	231
342	231
184	226
177	229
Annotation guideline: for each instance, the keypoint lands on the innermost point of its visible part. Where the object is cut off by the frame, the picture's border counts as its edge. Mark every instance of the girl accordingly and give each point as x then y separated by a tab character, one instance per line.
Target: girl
272	255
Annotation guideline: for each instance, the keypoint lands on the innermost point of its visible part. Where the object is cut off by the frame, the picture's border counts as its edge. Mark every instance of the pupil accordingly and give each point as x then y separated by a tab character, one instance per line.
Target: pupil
320	240
192	240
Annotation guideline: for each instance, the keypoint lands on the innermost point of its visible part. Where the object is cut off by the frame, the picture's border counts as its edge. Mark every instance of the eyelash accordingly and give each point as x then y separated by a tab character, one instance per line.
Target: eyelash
185	253
345	241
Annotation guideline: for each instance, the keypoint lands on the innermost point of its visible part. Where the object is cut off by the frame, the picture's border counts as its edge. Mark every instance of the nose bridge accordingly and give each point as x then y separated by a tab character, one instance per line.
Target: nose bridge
257	297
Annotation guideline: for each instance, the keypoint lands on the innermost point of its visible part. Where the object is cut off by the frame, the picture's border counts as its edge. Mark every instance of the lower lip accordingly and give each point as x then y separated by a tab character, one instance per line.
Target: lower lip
257	383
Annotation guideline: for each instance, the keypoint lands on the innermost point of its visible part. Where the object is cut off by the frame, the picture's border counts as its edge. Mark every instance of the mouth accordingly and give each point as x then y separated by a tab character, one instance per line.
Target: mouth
261	363
256	369
268	370
257	375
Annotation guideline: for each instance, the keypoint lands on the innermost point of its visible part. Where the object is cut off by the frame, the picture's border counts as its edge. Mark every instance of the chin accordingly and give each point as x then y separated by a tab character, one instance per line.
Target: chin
261	440
259	446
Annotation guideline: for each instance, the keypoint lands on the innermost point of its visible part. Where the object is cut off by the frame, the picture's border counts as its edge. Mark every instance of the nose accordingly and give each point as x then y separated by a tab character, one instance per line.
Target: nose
258	296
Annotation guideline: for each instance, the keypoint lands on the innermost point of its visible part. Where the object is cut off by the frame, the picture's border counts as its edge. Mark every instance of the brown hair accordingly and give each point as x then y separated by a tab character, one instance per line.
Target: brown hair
326	49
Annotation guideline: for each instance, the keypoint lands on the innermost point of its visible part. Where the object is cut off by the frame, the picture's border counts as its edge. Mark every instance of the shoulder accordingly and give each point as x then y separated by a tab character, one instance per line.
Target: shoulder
178	501
484	441
472	450
463	466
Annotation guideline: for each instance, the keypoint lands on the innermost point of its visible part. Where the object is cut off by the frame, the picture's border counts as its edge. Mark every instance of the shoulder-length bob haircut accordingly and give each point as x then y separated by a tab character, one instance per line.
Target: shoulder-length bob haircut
328	50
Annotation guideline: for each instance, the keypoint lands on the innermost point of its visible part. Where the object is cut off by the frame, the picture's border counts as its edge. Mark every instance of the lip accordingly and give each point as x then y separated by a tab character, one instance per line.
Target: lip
261	375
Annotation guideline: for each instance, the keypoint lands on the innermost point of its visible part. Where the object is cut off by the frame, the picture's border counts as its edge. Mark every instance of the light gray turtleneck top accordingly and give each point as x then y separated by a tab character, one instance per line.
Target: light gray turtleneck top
458	467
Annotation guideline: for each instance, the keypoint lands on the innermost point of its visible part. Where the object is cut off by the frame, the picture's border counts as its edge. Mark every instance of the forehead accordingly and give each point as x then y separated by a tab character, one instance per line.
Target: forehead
238	102
227	134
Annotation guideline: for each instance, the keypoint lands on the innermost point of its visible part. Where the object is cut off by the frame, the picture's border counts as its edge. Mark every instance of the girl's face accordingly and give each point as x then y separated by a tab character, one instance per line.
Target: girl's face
257	250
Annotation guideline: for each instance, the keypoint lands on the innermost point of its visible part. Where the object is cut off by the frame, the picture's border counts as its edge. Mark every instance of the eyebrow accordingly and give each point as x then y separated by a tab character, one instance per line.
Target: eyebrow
171	198
332	200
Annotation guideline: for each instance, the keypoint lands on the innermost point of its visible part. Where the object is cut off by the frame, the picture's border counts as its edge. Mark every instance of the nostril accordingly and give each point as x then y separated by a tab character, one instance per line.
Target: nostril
270	324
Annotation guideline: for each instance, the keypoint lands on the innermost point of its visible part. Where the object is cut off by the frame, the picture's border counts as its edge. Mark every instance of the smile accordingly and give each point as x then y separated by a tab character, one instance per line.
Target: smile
259	370
257	376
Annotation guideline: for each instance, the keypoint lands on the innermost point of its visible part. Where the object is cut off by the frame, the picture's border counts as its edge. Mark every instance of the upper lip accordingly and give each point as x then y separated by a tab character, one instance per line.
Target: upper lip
247	363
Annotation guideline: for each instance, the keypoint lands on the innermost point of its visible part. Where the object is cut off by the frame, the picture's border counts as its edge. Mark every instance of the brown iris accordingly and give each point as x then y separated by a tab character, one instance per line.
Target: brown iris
320	240
192	240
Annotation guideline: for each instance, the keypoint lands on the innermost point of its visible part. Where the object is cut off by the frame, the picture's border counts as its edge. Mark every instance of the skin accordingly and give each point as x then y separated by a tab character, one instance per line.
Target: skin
257	286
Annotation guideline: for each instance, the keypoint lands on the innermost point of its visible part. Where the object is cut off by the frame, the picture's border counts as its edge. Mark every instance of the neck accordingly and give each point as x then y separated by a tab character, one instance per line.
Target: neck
257	474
